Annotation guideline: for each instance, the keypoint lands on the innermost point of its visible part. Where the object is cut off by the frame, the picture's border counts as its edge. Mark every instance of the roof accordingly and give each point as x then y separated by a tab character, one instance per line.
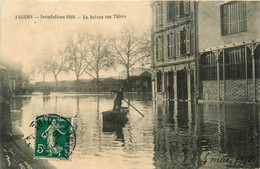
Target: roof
145	74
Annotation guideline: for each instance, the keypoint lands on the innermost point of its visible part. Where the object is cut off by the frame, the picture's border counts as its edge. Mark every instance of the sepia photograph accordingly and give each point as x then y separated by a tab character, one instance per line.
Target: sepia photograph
129	84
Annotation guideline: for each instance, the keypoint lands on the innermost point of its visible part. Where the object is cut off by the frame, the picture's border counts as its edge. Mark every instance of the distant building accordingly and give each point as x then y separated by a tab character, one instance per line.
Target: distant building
132	72
173	48
229	50
141	83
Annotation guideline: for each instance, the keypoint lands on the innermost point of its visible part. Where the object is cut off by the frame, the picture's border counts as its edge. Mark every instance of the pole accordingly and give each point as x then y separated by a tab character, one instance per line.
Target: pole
123	99
133	107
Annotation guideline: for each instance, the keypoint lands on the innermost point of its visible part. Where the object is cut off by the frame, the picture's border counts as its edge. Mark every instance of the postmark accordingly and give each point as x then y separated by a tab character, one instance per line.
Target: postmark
54	137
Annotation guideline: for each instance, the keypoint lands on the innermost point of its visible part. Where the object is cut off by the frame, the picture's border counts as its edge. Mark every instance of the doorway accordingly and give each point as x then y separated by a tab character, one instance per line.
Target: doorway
170	89
182	91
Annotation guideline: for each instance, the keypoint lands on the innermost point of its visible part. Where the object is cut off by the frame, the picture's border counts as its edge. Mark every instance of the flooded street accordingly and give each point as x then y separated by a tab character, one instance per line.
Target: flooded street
170	135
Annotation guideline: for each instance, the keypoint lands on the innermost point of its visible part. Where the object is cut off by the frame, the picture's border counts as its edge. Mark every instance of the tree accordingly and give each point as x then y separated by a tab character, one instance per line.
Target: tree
57	64
102	57
130	47
43	66
77	50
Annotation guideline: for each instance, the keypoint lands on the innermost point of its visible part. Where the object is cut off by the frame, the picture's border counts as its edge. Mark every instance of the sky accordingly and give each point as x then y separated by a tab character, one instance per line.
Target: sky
23	40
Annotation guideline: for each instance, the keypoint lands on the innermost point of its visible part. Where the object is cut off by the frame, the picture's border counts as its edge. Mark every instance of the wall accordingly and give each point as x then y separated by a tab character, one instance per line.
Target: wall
209	27
236	90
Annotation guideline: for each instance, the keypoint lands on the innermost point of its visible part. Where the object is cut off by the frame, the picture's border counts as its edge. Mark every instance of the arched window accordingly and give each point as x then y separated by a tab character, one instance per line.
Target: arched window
257	62
220	60
249	63
235	63
208	66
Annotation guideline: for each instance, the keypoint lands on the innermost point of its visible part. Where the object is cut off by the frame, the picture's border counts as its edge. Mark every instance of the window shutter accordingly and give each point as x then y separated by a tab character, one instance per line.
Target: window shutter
169	45
178	52
156	48
156	15
160	14
187	41
177	9
171	10
159	48
186	7
173	45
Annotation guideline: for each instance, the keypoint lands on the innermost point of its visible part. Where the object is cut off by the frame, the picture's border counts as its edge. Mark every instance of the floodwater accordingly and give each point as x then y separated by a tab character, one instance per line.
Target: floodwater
170	135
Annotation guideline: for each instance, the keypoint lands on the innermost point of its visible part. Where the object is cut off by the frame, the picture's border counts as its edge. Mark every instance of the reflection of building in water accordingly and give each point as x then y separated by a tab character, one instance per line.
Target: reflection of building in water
230	130
184	135
175	137
16	109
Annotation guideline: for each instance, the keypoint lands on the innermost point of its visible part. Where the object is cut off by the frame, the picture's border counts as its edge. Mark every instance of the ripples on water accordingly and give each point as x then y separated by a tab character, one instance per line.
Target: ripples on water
171	135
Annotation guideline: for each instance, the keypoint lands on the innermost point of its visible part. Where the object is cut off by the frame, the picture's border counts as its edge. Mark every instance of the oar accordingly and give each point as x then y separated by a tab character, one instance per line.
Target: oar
123	99
133	107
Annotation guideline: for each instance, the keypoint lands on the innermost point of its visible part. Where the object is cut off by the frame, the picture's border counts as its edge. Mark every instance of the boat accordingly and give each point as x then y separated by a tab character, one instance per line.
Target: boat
115	116
114	120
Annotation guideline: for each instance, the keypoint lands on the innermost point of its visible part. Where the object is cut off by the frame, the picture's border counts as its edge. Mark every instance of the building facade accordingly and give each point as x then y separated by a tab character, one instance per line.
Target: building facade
229	51
206	50
173	49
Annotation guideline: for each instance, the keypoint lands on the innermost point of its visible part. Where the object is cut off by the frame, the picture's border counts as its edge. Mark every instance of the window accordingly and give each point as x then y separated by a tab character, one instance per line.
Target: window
235	63
159	81
257	62
171	46
249	64
177	9
209	66
158	14
183	8
158	47
183	42
233	17
171	11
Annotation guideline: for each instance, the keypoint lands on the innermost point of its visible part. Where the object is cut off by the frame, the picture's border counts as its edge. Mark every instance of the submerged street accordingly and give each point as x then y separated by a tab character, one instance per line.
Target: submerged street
170	135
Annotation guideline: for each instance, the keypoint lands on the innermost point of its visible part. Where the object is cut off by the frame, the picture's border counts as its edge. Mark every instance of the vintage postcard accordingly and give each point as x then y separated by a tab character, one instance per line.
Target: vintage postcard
129	84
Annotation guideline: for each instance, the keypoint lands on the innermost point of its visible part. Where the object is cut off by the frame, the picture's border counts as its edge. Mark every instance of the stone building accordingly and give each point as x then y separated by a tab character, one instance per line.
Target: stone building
229	51
173	49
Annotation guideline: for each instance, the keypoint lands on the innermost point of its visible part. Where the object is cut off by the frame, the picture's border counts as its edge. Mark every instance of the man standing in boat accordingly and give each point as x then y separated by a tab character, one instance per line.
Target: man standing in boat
118	99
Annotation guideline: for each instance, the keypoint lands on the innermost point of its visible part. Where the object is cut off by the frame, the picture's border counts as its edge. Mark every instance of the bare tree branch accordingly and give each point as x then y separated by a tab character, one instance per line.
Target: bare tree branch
130	48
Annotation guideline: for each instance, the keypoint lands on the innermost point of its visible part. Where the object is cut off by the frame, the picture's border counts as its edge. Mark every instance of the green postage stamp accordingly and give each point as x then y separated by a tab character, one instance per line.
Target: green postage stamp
55	137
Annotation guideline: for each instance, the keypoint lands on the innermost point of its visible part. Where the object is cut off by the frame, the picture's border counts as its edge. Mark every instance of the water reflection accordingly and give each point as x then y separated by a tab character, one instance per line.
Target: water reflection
171	135
175	140
206	136
231	131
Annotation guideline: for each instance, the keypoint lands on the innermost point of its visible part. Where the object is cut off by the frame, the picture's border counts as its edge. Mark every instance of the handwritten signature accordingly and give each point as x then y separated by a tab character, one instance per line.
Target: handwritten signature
236	161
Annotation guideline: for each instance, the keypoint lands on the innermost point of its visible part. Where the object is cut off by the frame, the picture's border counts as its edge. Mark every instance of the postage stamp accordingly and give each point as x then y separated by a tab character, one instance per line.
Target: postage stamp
55	137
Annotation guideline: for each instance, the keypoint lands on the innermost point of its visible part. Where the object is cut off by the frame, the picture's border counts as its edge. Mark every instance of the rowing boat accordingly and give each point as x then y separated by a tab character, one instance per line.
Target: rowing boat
114	120
115	116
